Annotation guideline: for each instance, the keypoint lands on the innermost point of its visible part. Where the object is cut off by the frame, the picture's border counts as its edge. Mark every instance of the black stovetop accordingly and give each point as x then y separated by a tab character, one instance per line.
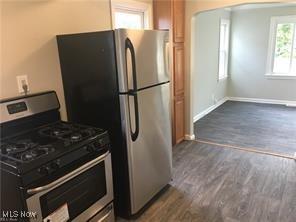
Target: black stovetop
45	142
37	147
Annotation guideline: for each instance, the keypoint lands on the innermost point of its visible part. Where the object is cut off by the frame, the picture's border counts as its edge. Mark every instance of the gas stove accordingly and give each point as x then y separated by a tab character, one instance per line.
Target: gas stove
45	140
49	142
35	143
48	148
45	161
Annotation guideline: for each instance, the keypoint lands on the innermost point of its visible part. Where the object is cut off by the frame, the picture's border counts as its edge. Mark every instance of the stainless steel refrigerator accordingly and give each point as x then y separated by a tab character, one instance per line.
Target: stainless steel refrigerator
119	80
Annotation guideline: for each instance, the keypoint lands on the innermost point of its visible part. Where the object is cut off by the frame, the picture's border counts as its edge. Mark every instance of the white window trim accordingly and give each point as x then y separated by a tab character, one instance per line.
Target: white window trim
130	5
274	21
227	22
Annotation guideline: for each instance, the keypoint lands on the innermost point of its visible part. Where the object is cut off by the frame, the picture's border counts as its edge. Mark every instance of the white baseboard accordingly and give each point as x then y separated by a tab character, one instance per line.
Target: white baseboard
210	109
243	99
189	137
291	105
268	101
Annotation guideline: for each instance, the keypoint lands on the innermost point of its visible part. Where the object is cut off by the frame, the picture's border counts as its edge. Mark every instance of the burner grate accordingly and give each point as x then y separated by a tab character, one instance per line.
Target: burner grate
17	147
35	153
68	132
56	130
24	151
42	141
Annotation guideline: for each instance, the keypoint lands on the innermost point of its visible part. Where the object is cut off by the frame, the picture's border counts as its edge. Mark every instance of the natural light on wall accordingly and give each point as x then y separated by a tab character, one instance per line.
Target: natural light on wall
282	47
131	14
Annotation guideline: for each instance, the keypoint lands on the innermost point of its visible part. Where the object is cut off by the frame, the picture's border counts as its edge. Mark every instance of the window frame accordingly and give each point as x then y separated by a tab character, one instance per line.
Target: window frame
133	7
274	21
226	22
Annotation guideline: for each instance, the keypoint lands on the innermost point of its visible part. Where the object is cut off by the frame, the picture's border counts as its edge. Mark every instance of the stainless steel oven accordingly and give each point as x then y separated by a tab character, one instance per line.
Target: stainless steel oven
79	195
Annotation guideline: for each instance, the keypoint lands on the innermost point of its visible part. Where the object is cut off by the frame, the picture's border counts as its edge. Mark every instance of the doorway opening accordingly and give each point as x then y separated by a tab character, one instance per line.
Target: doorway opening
244	77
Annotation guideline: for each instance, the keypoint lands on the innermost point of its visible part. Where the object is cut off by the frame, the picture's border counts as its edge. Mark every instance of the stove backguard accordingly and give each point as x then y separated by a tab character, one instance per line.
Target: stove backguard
27	112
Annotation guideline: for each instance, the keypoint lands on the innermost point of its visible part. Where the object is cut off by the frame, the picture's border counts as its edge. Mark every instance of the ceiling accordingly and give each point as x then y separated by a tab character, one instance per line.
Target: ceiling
261	5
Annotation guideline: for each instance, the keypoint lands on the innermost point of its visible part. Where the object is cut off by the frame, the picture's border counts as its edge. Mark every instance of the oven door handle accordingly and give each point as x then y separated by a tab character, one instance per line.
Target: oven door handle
102	219
69	175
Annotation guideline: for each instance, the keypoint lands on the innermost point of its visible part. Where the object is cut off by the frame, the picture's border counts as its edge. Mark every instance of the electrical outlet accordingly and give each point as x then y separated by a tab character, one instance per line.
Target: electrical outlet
22	83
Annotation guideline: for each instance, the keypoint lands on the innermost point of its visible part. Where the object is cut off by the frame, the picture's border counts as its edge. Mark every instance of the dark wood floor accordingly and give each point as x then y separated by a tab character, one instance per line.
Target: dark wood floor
215	184
264	126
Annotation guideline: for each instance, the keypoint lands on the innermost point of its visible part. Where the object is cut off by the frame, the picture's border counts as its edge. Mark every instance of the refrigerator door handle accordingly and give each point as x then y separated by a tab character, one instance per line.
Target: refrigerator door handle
134	134
129	46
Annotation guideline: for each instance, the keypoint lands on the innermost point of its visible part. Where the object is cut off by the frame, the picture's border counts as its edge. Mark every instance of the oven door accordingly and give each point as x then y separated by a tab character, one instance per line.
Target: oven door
77	196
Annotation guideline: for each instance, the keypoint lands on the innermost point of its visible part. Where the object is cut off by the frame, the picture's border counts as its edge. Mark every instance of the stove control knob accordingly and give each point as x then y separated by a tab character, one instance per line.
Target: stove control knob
99	143
55	165
44	170
90	148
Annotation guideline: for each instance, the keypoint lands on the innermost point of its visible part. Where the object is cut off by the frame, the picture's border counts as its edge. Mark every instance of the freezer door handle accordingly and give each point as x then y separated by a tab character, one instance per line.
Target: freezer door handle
129	46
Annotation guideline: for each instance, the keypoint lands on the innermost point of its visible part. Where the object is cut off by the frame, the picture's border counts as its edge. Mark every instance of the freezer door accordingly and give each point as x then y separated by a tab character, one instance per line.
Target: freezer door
150	152
148	52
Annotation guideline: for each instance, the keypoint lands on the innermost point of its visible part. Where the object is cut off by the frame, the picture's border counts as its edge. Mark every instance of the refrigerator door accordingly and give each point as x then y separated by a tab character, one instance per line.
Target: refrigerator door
150	151
142	58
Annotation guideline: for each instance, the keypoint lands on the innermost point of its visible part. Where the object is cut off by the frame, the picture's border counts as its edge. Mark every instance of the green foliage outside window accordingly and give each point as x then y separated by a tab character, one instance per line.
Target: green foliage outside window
284	40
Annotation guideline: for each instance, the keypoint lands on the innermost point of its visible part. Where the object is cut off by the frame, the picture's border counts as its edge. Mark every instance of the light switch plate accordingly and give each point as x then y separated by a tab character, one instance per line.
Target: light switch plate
22	80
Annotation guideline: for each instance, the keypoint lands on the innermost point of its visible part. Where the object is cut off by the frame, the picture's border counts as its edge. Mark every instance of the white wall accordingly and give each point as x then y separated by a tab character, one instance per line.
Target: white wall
28	46
249	35
249	47
205	51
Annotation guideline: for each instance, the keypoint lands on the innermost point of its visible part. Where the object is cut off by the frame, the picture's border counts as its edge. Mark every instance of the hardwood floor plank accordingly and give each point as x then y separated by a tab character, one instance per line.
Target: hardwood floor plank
288	204
264	209
211	184
263	126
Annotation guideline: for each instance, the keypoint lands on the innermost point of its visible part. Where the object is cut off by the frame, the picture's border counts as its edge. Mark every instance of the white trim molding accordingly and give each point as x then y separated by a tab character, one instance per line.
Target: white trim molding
288	103
224	48
132	5
279	76
274	21
268	101
189	137
210	109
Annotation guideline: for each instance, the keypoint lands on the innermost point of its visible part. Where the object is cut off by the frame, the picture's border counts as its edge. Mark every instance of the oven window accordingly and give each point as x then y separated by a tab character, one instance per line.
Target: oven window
78	193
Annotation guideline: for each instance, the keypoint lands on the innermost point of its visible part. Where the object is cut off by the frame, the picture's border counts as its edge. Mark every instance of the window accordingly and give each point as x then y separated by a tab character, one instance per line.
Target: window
129	19
281	59
131	14
224	48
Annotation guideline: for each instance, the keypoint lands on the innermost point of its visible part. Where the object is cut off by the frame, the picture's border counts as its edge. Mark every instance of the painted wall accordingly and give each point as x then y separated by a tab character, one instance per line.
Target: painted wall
205	43
249	48
28	40
193	7
28	44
